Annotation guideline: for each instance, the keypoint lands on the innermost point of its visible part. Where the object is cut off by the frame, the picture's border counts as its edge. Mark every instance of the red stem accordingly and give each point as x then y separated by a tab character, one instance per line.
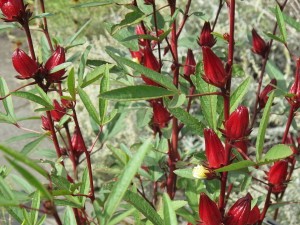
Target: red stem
157	34
185	17
266	206
218	13
87	155
26	85
288	124
29	39
45	28
53	134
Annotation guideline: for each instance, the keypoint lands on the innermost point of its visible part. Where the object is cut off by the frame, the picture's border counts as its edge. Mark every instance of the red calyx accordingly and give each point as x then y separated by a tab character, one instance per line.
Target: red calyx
23	64
58	112
263	97
277	176
190	64
206	38
214	149
214	71
259	46
45	123
12	9
208	211
295	89
161	116
58	57
150	62
254	216
236	127
239	213
77	144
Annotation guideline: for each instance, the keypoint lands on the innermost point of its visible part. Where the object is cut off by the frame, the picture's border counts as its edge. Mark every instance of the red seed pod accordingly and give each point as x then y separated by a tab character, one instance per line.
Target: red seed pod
214	149
77	144
58	112
12	9
140	31
295	89
23	64
208	211
239	213
68	104
214	72
263	97
277	176
206	38
259	46
150	62
254	216
161	116
236	126
58	57
45	123
190	64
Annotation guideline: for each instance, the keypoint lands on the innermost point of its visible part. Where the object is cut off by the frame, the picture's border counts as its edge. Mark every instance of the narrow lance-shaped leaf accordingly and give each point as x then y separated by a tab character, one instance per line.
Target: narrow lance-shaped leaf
169	213
280	22
71	83
263	127
35	205
104	87
124	181
151	74
34	98
82	64
30	178
135	93
89	105
7	102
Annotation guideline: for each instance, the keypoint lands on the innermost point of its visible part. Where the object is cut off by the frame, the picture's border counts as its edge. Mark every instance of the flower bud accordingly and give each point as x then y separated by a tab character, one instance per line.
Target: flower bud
11	9
150	62
45	123
254	216
214	72
140	31
214	149
77	144
206	38
263	97
239	213
236	126
58	112
161	116
277	176
295	89
208	211
23	64
259	46
190	64
58	57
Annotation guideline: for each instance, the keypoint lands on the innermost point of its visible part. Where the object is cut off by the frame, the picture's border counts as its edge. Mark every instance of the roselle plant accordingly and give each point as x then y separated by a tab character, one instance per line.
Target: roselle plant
176	92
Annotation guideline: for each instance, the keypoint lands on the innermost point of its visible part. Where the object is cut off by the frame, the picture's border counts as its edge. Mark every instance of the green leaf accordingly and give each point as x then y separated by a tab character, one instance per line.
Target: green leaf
85	186
32	145
169	213
43	95
22	158
177	101
104	87
6	202
68	202
262	127
151	74
236	166
94	75
71	83
82	64
277	152
73	38
281	23
69	217
7	102
35	205
274	37
120	217
30	178
134	93
42	15
291	21
187	119
124	181
32	97
94	4
60	67
208	103
89	105
97	210
186	173
120	155
144	207
41	220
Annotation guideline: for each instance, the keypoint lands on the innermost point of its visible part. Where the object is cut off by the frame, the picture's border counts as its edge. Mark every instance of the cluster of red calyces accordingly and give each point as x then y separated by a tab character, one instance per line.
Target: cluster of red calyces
240	212
29	68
